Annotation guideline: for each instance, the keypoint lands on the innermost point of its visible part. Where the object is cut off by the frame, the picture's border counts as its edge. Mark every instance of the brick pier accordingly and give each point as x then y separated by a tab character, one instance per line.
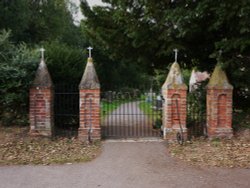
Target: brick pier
89	104
219	105
41	103
174	92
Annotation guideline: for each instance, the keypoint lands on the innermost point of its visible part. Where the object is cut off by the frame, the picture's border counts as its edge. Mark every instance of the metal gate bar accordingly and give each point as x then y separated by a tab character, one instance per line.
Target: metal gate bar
66	110
128	115
196	115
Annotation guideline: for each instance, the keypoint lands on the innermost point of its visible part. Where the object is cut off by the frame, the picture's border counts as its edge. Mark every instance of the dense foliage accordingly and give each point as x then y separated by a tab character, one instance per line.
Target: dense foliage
146	31
17	66
42	20
65	63
133	41
34	24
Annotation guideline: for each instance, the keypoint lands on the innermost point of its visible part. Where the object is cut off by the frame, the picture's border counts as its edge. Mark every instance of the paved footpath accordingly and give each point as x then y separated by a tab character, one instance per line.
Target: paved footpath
128	120
125	165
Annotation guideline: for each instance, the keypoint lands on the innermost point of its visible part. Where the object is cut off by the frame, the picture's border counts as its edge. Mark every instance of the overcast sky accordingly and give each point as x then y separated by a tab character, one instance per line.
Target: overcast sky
91	2
79	16
94	2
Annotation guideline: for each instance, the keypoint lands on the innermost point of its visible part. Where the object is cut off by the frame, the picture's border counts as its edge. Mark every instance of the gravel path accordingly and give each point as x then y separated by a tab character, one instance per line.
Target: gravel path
125	165
128	121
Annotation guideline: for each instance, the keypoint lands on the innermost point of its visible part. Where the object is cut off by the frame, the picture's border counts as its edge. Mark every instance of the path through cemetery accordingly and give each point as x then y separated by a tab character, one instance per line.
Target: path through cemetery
129	120
128	114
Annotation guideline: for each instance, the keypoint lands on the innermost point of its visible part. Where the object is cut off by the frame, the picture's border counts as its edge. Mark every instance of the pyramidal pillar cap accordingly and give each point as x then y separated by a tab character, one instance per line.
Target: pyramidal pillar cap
219	79
89	79
42	77
174	79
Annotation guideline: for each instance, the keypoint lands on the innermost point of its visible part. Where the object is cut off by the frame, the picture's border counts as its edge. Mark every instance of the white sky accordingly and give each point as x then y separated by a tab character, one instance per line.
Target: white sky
79	15
91	2
94	2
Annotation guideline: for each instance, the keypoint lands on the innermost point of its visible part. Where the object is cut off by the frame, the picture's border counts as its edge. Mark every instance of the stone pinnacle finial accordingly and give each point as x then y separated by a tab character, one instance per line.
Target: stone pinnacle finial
90	49
219	55
42	50
89	79
42	77
219	79
220	52
174	78
175	54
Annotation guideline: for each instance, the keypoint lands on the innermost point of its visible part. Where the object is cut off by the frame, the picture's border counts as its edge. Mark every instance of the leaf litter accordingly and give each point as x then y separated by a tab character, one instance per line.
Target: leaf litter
17	148
232	153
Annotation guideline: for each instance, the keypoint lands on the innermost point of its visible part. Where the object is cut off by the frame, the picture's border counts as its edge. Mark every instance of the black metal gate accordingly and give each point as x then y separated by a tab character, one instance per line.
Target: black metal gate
66	110
196	112
131	114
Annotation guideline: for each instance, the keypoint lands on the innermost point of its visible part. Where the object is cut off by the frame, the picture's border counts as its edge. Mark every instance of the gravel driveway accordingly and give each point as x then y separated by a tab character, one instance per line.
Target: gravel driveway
125	165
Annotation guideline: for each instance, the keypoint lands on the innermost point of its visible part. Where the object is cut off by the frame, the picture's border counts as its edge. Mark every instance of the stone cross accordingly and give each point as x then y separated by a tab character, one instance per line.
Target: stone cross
176	54
89	49
42	50
220	52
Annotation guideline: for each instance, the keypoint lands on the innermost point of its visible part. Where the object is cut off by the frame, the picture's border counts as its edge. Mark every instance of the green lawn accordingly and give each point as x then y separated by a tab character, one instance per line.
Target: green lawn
146	107
108	107
154	115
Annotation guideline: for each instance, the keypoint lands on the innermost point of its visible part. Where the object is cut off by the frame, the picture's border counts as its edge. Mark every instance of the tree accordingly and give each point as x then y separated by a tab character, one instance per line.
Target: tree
35	21
15	15
33	24
17	67
146	31
65	63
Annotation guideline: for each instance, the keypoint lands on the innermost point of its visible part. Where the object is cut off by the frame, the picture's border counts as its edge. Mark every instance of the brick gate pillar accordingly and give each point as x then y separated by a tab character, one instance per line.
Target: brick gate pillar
219	105
89	104
174	92
41	103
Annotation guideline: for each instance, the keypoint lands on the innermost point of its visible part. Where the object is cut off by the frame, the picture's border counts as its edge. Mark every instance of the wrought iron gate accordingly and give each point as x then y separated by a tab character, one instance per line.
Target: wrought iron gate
131	114
66	110
196	112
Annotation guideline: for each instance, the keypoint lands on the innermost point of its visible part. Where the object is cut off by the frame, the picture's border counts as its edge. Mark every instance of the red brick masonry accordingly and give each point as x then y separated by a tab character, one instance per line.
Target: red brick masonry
219	105
41	111
89	114
89	87
174	111
219	112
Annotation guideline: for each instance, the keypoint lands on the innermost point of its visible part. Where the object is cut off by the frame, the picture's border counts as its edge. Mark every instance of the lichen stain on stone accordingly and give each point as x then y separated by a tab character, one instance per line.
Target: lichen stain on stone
174	79
90	79
219	79
42	77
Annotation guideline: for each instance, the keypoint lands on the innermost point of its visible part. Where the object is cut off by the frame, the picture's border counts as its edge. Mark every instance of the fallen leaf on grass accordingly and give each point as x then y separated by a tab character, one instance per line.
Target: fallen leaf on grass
226	153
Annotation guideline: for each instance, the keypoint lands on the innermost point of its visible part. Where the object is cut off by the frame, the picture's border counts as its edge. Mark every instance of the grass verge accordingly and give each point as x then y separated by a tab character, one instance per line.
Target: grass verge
149	111
109	107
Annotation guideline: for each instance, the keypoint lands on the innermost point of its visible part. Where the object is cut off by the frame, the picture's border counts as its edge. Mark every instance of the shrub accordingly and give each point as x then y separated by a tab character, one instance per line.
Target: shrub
17	66
65	63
